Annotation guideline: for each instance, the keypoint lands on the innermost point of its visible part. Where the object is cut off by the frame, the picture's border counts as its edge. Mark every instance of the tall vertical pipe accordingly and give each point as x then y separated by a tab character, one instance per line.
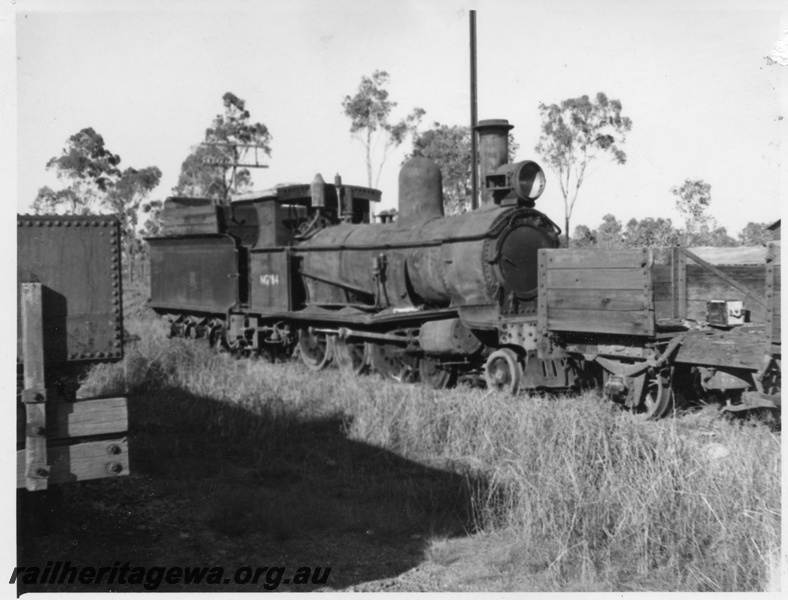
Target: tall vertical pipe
474	117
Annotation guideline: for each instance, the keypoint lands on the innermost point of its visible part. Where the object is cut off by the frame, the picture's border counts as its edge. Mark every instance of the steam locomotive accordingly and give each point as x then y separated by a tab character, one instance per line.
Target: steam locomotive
427	296
485	296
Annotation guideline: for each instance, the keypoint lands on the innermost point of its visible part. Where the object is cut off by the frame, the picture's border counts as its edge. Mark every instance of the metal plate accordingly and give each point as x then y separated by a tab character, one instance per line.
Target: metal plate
198	273
270	280
77	261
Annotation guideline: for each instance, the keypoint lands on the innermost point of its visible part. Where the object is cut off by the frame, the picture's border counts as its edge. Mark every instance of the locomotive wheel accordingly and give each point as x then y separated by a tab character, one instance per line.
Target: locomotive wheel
176	329
316	349
352	357
436	375
658	399
503	371
391	361
215	335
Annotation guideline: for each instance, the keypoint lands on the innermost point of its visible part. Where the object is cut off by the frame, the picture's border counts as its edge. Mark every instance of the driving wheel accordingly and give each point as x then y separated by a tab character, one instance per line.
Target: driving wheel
316	349
436	375
352	357
391	361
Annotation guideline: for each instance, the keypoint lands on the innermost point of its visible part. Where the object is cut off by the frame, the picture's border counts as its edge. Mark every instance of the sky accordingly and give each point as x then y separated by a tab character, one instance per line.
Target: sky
149	77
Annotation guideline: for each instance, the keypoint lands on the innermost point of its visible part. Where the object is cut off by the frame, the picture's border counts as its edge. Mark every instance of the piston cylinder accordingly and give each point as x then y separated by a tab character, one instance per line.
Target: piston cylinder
448	336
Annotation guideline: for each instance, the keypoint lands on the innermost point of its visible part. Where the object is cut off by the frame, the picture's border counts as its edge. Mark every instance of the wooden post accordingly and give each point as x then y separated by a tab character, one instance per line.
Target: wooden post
679	281
34	394
648	289
541	303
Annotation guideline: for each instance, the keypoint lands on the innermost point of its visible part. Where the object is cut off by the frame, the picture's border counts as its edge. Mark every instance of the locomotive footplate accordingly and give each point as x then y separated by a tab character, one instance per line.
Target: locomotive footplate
357	317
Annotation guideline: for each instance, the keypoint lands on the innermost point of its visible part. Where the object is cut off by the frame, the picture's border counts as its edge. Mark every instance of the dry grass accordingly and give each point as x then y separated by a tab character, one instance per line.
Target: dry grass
577	495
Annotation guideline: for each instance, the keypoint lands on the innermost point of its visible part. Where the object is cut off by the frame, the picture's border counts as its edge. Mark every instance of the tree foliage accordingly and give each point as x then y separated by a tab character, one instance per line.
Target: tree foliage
153	221
86	168
125	200
609	233
755	234
369	111
646	233
583	237
576	132
93	181
693	199
650	232
211	170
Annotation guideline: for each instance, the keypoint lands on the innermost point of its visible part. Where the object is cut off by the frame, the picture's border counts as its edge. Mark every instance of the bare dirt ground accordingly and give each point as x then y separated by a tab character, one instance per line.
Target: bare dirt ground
308	498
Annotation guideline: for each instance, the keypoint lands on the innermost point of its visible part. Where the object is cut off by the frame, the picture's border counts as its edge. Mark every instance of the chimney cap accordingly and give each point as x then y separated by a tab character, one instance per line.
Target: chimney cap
493	124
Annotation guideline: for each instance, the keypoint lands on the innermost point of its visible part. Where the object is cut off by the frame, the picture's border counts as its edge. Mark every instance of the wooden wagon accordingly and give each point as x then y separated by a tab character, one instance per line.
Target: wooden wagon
665	323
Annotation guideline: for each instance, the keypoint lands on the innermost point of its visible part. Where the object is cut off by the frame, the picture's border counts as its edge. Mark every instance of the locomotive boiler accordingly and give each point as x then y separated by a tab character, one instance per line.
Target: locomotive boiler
425	296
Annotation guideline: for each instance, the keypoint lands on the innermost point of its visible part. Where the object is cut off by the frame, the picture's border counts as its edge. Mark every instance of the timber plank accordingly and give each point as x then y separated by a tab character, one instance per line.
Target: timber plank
662	275
89	417
719	291
81	462
663	309
601	321
597	279
663	292
597	258
750	275
34	456
739	255
740	347
597	300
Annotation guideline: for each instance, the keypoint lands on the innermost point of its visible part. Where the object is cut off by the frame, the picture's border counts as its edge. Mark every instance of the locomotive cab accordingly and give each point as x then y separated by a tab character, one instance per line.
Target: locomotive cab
287	214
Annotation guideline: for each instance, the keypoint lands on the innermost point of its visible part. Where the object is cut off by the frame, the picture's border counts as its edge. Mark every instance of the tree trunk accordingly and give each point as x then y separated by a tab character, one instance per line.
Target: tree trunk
369	158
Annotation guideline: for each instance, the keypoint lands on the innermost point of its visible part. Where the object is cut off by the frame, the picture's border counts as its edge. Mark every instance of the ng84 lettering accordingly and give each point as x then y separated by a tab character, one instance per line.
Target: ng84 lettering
269	279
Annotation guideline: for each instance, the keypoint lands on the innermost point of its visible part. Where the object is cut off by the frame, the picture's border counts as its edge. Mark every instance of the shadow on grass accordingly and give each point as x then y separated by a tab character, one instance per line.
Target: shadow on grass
215	484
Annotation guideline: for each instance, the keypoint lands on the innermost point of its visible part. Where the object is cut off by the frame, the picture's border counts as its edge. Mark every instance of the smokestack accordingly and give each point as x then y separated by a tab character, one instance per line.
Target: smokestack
420	190
494	150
